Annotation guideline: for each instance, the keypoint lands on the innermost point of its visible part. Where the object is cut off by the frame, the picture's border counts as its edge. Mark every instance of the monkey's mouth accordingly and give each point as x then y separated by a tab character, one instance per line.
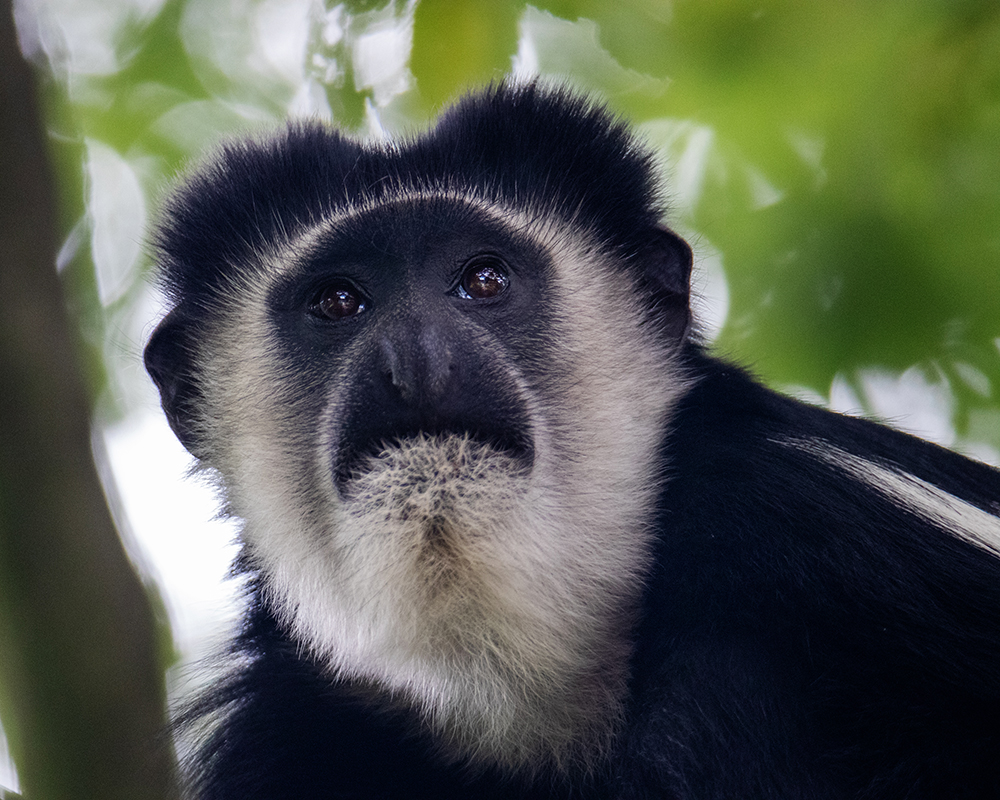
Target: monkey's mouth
360	450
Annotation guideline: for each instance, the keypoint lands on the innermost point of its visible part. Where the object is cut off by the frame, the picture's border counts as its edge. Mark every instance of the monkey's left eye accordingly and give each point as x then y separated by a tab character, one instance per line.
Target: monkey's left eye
337	301
482	278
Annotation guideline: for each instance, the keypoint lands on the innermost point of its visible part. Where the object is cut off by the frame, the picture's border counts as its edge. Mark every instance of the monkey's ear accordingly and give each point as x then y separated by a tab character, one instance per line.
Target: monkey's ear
169	360
666	263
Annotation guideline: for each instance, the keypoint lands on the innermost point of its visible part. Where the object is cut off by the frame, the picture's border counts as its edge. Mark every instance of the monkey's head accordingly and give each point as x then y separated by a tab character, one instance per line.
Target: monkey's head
432	378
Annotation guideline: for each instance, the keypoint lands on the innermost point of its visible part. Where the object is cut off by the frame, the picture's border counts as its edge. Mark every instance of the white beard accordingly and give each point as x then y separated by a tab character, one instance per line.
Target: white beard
449	579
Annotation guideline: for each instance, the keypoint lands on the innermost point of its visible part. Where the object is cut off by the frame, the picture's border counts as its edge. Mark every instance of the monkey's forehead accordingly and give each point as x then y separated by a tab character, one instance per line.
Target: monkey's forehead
544	150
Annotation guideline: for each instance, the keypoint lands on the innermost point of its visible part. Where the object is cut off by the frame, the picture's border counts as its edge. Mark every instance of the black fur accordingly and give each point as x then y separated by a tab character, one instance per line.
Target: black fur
551	153
802	634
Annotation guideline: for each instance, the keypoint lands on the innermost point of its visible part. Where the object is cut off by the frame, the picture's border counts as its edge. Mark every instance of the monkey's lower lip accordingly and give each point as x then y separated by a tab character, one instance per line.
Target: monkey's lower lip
351	459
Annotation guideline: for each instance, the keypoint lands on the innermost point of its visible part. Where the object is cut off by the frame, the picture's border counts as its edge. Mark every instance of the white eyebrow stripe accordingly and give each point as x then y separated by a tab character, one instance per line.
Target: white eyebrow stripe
942	509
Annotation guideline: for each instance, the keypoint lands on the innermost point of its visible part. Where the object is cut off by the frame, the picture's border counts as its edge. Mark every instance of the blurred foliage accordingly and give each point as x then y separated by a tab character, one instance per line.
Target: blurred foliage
841	161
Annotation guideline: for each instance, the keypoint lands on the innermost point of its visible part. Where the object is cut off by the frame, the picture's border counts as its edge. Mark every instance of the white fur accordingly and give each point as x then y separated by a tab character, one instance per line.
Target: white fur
940	508
499	603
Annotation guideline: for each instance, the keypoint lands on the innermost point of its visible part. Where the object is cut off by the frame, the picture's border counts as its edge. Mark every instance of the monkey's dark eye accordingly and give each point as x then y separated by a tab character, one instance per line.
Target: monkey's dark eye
482	278
337	301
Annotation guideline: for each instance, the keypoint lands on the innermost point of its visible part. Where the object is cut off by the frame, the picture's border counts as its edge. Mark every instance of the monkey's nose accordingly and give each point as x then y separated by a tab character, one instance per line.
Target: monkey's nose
420	367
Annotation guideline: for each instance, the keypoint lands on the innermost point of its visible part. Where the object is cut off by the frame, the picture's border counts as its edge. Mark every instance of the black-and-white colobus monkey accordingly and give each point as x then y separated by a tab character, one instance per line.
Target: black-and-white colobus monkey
510	532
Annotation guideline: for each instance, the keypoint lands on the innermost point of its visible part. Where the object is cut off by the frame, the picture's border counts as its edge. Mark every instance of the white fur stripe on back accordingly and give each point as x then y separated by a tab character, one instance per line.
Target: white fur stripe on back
940	508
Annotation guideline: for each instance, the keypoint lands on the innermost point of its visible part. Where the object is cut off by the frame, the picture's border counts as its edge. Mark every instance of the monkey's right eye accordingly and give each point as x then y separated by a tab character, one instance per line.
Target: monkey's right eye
337	301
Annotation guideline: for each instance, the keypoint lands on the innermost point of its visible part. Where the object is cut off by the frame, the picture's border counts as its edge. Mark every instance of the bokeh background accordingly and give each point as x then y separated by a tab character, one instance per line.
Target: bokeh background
836	167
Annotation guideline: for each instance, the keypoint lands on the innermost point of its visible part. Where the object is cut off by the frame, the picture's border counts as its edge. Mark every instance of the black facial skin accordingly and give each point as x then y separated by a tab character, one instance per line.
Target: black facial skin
430	302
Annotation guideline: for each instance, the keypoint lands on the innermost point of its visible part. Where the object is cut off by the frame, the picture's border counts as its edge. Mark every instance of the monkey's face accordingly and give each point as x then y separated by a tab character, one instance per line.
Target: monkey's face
440	422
